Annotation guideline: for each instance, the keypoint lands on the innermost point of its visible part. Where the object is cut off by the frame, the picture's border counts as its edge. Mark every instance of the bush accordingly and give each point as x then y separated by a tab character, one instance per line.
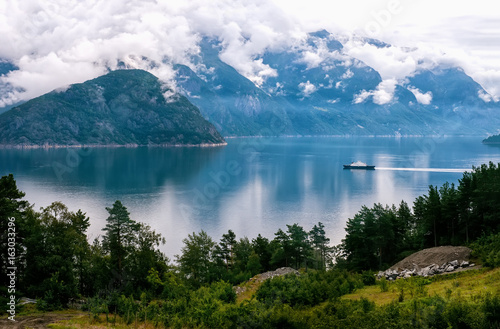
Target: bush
308	289
384	284
487	249
368	278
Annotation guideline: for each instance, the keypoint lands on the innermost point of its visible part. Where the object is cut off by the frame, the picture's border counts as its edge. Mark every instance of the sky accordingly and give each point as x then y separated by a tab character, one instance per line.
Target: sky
59	42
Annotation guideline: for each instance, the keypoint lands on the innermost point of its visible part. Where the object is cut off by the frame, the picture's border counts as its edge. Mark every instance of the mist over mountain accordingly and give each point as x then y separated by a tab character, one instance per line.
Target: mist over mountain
317	88
124	107
5	88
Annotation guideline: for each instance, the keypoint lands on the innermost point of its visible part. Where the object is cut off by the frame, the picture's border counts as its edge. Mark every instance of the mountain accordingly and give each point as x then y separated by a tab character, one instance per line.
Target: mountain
316	87
319	89
234	104
124	107
5	68
493	139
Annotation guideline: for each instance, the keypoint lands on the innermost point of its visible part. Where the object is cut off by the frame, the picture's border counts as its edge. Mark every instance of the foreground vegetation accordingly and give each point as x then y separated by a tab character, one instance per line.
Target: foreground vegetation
124	279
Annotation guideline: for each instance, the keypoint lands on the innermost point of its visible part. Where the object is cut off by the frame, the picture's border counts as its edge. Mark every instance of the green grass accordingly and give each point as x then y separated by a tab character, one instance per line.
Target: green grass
465	284
84	321
251	289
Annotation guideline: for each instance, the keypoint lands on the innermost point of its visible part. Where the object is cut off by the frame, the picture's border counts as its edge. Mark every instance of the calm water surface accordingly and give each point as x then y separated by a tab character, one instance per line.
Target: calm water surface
250	186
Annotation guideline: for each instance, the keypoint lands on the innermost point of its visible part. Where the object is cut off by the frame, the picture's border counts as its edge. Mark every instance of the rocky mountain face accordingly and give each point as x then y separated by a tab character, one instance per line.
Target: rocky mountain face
124	107
335	95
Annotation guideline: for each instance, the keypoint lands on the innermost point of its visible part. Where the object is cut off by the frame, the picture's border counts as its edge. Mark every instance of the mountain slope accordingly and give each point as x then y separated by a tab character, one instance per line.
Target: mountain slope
235	105
124	107
317	88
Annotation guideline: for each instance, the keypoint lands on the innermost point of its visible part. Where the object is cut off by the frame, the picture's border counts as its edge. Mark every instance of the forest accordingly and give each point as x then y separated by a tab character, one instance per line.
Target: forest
124	275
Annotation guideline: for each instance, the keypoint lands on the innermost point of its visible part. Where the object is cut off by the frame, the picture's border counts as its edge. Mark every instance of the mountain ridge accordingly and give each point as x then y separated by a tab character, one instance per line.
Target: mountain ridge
339	95
318	88
121	108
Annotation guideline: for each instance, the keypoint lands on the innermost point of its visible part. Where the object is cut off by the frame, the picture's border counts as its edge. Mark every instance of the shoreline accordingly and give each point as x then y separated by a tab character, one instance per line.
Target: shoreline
58	146
355	136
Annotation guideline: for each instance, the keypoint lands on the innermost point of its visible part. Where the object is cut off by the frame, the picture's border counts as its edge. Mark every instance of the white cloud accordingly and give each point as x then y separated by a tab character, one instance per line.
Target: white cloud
307	88
390	62
58	42
422	98
362	96
347	75
484	96
314	56
383	94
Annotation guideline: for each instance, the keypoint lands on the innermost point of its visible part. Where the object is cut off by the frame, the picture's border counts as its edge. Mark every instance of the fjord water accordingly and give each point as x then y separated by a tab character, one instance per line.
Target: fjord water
252	185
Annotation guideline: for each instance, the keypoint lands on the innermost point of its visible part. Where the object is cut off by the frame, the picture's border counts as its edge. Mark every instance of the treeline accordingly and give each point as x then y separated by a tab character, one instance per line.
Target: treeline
378	237
124	273
55	262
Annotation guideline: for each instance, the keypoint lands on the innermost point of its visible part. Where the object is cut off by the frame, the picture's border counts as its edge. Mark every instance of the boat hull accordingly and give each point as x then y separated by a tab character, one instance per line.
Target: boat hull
359	167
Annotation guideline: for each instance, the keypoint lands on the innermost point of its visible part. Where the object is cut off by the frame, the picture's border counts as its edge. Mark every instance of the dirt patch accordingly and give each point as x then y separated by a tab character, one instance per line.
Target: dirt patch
39	321
437	255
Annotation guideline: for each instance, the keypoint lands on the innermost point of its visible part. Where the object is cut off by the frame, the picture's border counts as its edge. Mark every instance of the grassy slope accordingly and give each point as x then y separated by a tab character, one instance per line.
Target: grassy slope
465	284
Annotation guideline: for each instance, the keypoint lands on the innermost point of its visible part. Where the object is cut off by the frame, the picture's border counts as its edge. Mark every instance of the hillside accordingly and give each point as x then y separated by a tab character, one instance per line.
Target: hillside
124	107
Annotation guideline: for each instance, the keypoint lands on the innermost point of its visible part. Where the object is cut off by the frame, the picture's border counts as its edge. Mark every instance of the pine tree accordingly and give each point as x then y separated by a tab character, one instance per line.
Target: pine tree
320	243
119	237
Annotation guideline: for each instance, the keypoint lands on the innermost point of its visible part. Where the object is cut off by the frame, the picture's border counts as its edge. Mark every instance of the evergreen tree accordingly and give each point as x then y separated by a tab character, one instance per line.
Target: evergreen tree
262	248
300	249
243	249
226	249
119	238
450	213
11	206
280	249
145	256
320	242
433	213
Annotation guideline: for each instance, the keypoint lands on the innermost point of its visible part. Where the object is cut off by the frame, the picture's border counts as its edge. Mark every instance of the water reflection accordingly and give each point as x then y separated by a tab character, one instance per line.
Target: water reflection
128	170
242	187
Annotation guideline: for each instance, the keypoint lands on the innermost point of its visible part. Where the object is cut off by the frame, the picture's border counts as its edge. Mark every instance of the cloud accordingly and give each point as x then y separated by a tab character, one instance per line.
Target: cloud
383	94
319	53
391	62
347	75
422	98
484	96
307	88
56	42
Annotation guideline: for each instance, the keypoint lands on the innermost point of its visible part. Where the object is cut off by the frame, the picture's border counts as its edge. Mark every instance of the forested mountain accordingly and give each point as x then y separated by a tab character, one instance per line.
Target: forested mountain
124	107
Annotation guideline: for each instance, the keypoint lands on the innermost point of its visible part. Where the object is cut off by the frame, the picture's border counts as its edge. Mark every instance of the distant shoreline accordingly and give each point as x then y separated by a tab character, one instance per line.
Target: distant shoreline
57	146
355	136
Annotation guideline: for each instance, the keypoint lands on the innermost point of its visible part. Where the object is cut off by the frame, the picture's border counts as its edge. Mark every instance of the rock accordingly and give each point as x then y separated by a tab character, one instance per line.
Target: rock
450	268
464	264
25	300
454	263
